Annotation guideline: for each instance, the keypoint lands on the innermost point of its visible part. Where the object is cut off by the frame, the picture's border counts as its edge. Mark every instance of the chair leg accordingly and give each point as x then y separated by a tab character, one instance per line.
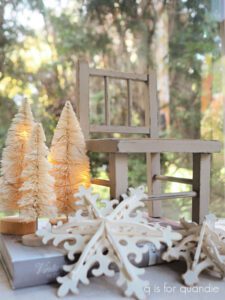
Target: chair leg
154	186
118	174
201	185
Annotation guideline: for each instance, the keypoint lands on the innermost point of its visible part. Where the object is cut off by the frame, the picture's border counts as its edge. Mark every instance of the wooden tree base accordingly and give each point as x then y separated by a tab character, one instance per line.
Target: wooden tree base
17	226
32	240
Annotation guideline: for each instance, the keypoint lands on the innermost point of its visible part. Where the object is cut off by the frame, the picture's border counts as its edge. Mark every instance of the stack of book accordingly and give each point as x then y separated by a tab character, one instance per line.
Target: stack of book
42	264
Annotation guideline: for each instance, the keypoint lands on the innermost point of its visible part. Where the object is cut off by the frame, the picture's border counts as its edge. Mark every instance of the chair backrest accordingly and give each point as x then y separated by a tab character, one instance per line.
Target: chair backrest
151	119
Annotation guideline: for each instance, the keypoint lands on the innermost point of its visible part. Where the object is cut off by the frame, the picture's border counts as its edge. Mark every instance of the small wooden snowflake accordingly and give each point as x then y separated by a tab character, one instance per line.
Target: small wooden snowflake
106	233
202	247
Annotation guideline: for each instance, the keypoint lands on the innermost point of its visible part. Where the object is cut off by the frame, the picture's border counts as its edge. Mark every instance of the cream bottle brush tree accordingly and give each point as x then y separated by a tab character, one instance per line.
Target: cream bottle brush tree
69	160
13	157
37	191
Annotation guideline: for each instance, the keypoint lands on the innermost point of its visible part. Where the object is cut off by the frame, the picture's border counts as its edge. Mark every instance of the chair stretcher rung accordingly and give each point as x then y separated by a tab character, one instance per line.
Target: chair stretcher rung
173	179
172	196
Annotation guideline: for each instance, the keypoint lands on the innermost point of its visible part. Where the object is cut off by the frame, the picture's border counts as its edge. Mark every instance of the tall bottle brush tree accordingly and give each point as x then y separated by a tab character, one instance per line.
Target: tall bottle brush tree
69	160
13	157
37	191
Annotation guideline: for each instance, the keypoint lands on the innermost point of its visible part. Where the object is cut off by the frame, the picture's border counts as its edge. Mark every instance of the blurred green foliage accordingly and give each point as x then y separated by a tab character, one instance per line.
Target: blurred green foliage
40	42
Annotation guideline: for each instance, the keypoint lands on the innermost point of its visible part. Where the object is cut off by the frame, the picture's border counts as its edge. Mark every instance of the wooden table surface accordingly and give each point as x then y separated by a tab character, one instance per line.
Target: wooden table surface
164	284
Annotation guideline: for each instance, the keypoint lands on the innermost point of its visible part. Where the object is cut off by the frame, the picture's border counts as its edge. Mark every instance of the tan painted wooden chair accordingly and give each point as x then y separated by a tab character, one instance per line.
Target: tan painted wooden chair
119	148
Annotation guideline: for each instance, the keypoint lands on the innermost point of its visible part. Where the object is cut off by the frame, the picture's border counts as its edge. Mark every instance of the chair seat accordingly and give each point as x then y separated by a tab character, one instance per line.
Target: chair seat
152	145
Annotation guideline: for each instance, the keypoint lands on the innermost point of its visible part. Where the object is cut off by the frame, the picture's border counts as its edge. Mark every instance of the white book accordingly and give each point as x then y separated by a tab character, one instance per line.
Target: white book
28	266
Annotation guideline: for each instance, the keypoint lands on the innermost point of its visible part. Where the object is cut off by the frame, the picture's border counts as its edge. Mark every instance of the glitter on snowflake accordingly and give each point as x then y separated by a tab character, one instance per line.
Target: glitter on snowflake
106	233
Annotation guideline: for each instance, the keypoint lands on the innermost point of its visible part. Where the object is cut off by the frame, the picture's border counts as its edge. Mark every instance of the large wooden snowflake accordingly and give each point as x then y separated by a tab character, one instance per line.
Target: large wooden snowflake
106	233
202	247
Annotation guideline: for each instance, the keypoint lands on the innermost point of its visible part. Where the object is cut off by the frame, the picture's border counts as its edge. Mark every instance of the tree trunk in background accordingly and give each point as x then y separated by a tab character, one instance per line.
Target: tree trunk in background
222	34
2	38
161	52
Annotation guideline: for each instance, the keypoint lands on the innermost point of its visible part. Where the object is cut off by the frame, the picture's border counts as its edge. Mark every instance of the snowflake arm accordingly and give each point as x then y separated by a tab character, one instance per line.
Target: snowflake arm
78	273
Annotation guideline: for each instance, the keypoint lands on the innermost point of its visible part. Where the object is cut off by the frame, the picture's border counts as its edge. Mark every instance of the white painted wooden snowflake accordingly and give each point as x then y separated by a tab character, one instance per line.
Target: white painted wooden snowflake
202	247
106	237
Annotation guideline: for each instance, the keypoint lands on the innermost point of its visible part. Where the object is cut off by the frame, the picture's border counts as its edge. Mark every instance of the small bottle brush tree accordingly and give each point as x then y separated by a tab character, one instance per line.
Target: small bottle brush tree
11	168
37	191
69	160
13	157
